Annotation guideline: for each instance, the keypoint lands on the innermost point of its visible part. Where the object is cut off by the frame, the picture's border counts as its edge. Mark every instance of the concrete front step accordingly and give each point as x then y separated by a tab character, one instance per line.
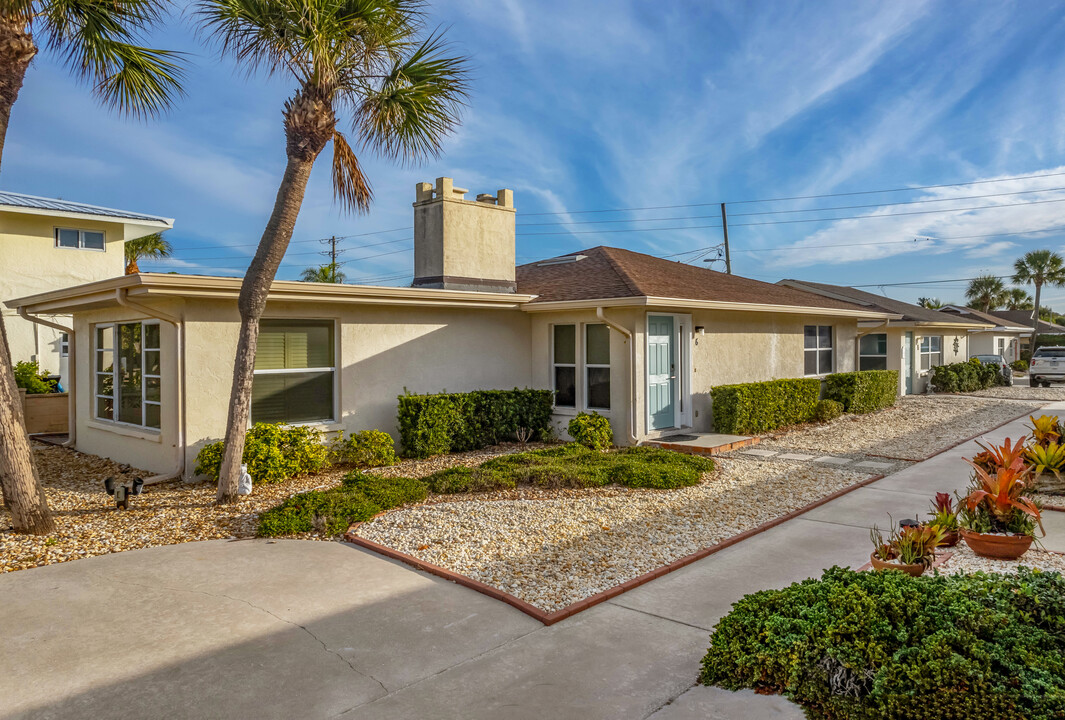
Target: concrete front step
703	443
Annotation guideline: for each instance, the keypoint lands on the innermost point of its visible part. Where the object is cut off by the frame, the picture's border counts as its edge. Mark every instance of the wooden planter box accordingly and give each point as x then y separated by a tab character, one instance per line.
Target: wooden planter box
46	414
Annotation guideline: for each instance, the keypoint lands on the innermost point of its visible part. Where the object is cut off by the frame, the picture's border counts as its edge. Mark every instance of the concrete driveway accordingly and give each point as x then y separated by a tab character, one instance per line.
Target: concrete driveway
298	629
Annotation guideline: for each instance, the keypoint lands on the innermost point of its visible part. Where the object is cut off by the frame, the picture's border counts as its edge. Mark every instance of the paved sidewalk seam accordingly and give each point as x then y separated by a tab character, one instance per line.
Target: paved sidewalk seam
657	616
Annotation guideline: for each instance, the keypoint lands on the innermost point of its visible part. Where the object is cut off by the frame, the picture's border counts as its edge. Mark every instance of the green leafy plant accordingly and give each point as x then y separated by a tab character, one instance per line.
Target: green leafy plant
1019	366
368	448
944	515
864	391
591	430
911	545
965	377
827	410
868	646
28	375
995	503
273	453
455	422
759	407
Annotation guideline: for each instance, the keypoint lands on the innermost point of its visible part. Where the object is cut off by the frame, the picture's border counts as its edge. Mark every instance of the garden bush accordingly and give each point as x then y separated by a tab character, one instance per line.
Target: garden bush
591	430
1019	365
869	645
758	407
369	448
468	480
454	422
28	375
965	376
273	453
864	391
828	410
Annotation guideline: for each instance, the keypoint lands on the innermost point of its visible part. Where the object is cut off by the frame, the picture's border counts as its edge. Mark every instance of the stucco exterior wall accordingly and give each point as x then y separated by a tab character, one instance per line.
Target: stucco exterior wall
33	264
986	343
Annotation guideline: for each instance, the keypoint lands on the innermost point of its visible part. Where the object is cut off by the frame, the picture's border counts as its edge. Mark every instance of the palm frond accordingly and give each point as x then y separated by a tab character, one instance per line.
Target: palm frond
350	185
147	246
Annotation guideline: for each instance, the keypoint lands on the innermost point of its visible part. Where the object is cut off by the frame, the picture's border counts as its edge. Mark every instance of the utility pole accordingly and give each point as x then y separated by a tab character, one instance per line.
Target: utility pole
724	229
331	253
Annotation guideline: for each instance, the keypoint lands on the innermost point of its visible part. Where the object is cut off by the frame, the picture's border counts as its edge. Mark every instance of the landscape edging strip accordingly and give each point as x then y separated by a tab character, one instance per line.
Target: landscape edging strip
550	618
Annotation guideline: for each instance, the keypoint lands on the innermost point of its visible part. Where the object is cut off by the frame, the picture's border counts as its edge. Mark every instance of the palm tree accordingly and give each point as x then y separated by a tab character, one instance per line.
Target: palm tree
97	40
985	292
367	58
152	246
930	302
328	273
1018	299
1039	267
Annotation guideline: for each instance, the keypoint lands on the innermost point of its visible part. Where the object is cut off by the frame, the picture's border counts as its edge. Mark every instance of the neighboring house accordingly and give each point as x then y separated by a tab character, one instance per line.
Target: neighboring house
913	343
639	339
1024	318
1006	338
50	244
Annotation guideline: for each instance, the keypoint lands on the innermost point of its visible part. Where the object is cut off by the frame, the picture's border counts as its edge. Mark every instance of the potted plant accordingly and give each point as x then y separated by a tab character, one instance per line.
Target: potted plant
1007	454
945	517
910	549
996	520
1047	462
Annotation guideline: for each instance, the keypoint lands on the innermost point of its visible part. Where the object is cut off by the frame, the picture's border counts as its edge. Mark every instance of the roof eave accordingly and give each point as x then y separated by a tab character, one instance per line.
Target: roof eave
646	301
160	223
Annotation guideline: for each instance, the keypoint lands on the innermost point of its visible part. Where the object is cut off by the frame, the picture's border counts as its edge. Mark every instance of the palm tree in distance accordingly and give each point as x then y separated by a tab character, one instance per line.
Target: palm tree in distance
1018	299
985	292
328	273
1039	268
372	60
98	42
152	247
930	302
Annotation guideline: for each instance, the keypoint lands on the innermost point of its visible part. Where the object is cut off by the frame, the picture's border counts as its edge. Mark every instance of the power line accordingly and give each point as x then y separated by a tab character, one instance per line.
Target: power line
296	242
289	255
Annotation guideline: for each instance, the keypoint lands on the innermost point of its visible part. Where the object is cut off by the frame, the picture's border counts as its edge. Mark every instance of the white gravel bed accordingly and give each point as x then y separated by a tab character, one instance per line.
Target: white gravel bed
965	560
1054	393
554	552
1045	499
915	428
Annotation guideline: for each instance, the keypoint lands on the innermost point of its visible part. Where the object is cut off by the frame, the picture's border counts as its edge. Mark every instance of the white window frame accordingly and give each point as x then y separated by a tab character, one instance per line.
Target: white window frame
922	353
289	371
586	366
817	349
115	383
577	346
870	355
81	239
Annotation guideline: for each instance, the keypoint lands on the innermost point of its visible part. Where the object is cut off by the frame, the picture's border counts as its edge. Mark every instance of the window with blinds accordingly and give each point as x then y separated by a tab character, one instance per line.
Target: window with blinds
295	372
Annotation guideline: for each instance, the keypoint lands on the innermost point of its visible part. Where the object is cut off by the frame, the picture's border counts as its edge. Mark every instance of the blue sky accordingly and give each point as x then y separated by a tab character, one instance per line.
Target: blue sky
597	105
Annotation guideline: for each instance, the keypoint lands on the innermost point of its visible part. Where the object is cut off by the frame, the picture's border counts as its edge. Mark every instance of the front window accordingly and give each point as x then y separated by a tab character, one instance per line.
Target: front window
931	352
817	349
64	345
565	365
872	352
128	381
597	366
294	372
79	239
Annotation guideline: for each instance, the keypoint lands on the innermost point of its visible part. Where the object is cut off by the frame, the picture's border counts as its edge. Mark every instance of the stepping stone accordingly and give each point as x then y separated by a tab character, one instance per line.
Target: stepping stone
830	460
795	456
874	464
759	453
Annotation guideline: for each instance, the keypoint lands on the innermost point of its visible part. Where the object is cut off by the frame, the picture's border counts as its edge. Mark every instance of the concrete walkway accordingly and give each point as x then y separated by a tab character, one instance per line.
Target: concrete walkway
297	629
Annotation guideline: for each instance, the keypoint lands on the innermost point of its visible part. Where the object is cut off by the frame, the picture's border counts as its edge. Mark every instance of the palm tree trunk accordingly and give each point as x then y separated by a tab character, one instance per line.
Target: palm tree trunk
253	294
16	52
1035	313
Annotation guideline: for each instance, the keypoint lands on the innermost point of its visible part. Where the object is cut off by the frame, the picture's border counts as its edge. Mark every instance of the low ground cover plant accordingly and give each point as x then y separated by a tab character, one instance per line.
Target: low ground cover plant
368	448
591	430
864	645
273	453
865	391
454	422
967	376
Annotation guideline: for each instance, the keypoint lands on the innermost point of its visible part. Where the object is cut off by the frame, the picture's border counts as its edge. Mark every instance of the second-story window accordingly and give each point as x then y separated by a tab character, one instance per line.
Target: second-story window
79	239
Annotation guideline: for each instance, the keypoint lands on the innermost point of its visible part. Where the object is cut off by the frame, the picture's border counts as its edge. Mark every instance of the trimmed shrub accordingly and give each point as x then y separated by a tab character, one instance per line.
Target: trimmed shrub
864	391
273	453
828	410
28	375
369	448
759	407
865	645
591	430
966	377
1019	366
454	422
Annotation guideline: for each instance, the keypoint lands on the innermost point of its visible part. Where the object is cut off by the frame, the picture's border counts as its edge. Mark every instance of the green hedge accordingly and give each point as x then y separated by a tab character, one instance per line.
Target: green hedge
1052	340
454	422
870	645
758	407
864	391
966	376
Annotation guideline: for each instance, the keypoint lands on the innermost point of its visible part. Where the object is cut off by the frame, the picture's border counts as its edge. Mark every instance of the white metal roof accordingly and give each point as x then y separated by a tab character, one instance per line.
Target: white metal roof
20	201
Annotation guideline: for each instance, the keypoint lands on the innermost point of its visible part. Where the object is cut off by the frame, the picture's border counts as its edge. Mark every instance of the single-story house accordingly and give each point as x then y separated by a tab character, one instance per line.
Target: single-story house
1005	338
636	338
913	343
1023	318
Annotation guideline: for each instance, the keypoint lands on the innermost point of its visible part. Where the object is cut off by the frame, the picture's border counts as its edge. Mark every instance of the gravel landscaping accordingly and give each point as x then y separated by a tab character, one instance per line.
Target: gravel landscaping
1054	393
965	560
555	550
915	428
165	514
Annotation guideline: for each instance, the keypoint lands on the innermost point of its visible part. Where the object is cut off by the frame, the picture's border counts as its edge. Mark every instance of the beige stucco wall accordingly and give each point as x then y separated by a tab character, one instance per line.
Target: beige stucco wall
33	264
986	343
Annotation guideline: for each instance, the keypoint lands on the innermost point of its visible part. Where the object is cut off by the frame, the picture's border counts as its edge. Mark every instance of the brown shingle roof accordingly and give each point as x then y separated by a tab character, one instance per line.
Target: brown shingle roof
606	272
908	311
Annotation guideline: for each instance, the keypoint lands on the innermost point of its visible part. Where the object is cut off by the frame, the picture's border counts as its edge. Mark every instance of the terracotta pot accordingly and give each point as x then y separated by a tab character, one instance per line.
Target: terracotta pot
912	570
996	545
950	539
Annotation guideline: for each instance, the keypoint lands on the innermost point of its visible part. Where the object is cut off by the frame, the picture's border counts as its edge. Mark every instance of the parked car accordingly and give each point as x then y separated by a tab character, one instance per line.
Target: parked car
1047	366
1004	368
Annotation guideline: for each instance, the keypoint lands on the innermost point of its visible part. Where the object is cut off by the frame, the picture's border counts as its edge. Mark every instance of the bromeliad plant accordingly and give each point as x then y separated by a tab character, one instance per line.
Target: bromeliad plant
1045	429
1009	454
944	514
996	503
1048	458
911	545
